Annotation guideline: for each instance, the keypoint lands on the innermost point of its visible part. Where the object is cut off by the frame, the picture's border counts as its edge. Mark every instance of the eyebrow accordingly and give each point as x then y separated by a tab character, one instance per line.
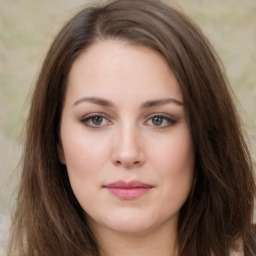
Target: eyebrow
95	100
147	104
160	102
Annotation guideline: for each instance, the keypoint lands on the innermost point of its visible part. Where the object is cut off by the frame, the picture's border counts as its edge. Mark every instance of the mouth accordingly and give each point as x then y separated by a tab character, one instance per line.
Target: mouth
128	190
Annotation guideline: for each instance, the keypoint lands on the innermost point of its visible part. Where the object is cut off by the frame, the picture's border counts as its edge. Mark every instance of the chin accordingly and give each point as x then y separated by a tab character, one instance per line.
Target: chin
132	223
131	227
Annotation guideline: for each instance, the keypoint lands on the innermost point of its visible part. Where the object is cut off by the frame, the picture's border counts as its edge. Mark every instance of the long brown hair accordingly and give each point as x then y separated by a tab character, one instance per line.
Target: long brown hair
217	216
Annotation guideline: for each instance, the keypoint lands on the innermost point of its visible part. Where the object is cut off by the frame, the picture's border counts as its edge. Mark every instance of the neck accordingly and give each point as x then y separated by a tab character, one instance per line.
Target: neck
161	242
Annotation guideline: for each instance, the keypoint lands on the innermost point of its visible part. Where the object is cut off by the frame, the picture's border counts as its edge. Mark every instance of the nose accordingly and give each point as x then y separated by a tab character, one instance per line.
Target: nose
128	148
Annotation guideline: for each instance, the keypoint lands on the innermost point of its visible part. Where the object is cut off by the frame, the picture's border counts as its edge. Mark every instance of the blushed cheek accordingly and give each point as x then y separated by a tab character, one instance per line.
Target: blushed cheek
85	157
176	164
176	159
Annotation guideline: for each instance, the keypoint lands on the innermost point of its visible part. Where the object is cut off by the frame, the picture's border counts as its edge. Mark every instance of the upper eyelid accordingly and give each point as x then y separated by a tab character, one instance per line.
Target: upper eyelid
86	120
94	114
169	118
109	118
161	114
164	115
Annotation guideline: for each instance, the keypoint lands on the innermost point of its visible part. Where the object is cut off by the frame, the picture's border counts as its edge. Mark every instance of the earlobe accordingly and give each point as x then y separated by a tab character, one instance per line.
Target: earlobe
61	156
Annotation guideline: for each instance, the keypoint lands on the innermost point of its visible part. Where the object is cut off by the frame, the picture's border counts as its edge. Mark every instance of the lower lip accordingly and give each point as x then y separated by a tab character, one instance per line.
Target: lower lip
128	193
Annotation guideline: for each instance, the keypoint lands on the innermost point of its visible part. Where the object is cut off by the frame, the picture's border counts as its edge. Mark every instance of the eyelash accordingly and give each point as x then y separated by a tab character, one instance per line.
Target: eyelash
168	119
87	120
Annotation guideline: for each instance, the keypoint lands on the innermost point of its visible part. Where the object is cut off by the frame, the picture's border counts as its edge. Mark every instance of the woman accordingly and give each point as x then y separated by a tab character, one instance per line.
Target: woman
133	143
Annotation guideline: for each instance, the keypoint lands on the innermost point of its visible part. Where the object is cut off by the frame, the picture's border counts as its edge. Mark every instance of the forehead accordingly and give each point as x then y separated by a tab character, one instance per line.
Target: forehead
115	67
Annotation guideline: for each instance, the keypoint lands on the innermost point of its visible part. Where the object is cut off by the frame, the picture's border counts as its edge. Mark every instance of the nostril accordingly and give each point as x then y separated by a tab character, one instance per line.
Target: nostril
128	164
128	153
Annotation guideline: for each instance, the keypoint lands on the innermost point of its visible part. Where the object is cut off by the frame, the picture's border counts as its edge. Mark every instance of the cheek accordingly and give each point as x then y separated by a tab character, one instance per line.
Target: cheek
84	161
174	154
84	151
174	162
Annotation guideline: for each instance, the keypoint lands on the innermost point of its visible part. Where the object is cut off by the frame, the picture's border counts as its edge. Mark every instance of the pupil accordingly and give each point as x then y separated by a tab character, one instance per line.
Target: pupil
97	120
157	120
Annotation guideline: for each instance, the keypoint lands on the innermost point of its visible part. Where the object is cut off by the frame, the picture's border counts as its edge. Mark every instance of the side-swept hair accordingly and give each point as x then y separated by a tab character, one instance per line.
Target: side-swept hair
218	215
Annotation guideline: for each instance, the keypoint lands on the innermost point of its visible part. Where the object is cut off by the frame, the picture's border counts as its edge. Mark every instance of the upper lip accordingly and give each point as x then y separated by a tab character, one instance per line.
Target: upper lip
130	184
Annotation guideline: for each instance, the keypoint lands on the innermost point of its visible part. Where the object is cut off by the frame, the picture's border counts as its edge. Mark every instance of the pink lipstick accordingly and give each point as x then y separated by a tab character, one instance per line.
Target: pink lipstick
128	190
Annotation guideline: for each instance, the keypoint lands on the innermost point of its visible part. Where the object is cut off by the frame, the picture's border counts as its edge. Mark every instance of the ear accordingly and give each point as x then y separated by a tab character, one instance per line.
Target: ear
60	152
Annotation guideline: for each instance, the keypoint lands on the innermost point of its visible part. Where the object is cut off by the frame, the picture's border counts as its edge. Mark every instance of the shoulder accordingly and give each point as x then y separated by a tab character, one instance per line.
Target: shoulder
237	253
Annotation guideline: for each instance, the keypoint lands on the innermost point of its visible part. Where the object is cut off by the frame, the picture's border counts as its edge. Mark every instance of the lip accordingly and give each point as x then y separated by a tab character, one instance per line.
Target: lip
128	190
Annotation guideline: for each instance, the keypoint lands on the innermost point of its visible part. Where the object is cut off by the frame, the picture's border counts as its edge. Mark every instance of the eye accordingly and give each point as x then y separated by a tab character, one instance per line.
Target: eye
95	120
157	120
160	121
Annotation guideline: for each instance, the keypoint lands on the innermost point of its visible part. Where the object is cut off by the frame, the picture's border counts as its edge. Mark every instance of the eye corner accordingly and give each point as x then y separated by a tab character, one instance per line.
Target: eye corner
96	120
160	120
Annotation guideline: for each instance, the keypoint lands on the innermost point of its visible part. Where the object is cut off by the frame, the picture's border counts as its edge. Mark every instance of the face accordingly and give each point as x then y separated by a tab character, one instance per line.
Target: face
125	138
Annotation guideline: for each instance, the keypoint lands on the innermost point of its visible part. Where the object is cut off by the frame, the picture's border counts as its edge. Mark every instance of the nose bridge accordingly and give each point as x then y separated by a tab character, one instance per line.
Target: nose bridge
128	150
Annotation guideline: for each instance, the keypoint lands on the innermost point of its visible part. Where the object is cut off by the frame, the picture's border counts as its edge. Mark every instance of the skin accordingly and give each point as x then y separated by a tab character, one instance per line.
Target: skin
139	131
